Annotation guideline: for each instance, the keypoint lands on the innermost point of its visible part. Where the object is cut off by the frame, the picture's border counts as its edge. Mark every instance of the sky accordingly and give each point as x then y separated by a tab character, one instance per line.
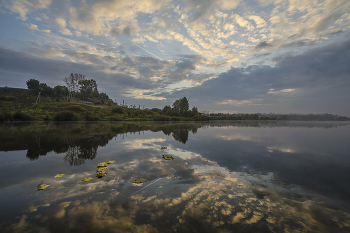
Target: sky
229	56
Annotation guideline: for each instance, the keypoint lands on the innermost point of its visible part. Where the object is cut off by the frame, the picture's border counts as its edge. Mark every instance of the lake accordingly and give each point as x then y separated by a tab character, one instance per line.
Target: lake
242	176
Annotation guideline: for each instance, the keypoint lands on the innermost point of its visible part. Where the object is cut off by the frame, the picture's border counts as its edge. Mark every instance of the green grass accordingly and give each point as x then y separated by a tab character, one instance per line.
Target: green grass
20	105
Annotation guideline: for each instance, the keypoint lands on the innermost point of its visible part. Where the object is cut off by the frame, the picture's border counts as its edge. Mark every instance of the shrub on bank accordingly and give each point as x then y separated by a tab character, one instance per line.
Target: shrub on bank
5	116
76	108
199	117
21	116
115	118
65	116
162	118
118	110
92	116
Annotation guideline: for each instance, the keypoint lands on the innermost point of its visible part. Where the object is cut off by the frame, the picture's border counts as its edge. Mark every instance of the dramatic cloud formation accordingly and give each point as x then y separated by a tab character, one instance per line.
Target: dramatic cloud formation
224	56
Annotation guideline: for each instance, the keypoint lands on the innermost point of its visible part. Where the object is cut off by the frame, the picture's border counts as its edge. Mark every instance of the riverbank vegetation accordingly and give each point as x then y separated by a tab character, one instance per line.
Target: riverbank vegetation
59	104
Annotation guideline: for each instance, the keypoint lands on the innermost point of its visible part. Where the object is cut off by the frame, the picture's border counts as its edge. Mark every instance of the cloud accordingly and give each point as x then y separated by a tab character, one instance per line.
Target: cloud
61	23
310	75
33	27
24	7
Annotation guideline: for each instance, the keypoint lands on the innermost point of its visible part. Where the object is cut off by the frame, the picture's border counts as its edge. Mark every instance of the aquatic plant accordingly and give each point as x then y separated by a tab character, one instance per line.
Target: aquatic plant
42	186
167	157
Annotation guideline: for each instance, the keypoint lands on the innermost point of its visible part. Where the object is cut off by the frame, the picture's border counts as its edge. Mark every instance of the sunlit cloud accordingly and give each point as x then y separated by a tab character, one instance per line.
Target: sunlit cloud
191	40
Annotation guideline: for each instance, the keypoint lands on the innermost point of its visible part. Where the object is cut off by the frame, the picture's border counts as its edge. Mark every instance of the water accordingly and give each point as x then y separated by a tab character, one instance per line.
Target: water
225	177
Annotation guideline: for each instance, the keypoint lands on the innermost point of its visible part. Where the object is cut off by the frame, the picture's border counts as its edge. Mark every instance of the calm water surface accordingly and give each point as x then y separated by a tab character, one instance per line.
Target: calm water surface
225	177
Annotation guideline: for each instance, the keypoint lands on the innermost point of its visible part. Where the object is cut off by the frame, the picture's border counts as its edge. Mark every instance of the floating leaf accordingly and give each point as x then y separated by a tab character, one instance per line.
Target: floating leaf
104	164
87	179
167	157
101	169
109	162
101	174
138	181
42	186
59	175
137	184
163	148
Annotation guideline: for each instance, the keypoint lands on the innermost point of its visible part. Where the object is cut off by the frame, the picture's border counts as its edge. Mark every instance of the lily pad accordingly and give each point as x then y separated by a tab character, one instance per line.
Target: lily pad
42	186
87	179
109	162
137	184
101	169
139	181
101	174
59	175
167	157
163	148
104	164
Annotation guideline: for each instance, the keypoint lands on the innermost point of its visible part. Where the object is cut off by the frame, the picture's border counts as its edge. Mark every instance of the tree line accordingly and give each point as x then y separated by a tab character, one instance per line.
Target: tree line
77	86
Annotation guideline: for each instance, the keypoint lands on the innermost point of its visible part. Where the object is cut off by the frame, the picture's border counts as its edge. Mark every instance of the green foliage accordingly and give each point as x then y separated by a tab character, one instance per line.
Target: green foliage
115	118
88	89
76	108
8	98
65	116
110	102
181	106
194	111
118	110
60	91
199	117
157	110
166	108
104	96
5	116
44	89
20	116
162	118
32	83
92	116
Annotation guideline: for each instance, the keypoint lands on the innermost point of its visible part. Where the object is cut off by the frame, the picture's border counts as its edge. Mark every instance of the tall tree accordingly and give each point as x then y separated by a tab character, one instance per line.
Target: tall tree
60	91
181	106
88	89
32	83
104	96
72	82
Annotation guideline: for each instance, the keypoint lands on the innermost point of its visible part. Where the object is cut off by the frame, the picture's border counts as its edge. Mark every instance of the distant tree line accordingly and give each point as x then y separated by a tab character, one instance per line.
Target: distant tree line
77	85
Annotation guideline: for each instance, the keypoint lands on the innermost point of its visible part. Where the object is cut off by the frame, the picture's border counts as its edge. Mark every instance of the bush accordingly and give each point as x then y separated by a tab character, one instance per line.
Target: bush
110	102
162	118
6	116
20	116
199	117
118	110
76	108
91	117
65	116
115	118
9	98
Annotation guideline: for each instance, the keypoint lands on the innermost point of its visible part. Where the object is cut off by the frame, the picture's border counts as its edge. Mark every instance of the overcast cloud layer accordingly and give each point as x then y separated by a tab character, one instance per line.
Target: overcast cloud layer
223	55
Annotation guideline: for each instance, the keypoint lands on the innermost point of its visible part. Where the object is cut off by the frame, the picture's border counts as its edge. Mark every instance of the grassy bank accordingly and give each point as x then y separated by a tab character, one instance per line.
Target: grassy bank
20	105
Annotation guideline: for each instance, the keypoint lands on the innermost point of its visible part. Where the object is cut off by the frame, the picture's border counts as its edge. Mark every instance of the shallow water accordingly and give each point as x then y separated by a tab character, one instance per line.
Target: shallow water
225	177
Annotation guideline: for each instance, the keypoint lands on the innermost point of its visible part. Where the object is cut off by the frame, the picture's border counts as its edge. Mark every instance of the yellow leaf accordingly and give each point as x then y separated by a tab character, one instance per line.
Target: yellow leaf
87	179
42	186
